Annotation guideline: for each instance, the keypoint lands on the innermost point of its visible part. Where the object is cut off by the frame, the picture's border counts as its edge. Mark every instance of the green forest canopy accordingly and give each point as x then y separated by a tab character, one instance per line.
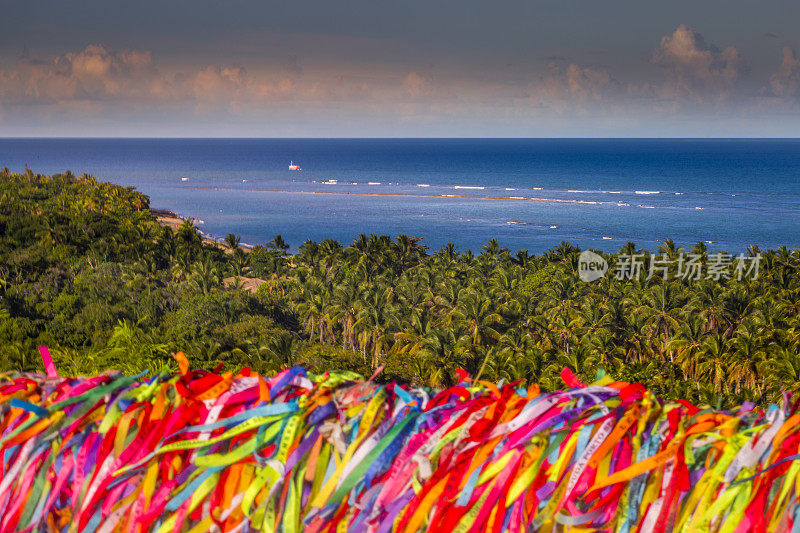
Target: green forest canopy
87	270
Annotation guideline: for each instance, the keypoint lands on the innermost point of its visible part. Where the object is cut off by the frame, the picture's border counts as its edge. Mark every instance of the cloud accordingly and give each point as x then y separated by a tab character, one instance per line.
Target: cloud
586	83
418	85
562	87
697	76
786	82
113	79
696	70
688	79
95	73
216	82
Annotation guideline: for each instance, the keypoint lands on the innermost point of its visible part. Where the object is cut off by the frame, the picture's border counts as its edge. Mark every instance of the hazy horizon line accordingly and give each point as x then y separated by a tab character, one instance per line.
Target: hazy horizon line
176	137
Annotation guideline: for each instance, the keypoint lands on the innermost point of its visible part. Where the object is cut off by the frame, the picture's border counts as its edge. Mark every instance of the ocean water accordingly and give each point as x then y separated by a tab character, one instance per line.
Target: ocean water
527	193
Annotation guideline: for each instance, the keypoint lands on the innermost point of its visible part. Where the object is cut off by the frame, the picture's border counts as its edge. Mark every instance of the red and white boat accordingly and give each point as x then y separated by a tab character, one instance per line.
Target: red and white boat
292	166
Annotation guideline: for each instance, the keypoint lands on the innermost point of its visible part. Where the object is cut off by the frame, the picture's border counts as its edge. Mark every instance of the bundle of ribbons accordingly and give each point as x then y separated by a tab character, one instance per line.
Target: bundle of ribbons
211	451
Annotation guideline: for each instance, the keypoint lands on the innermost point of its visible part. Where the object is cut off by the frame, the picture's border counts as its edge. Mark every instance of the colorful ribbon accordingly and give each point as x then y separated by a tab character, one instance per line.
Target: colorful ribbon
201	451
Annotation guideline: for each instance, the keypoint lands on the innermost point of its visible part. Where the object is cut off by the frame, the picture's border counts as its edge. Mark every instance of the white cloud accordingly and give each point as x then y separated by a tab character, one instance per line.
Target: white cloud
696	70
95	73
104	77
786	82
561	89
689	80
221	82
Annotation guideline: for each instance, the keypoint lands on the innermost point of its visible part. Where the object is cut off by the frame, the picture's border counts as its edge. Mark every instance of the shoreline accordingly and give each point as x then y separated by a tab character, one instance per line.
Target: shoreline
172	220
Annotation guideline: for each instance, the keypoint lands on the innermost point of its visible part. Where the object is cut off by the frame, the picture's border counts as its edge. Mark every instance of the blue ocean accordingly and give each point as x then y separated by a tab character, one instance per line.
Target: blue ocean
527	193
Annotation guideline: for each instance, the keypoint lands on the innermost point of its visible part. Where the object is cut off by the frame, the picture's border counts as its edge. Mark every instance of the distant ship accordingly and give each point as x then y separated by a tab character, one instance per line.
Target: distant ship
184	179
292	166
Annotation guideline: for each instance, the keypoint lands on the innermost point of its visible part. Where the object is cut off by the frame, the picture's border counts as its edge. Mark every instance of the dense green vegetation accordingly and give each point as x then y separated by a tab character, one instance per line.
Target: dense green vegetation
86	269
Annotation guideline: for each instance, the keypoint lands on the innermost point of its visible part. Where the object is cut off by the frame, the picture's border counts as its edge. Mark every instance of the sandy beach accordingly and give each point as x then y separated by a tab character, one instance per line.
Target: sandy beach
173	221
167	218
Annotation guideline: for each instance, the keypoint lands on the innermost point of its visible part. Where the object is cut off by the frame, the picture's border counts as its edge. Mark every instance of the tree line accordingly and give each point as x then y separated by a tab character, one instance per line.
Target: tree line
86	269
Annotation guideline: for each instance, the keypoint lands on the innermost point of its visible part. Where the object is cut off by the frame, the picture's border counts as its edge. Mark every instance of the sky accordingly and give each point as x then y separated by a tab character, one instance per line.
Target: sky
400	68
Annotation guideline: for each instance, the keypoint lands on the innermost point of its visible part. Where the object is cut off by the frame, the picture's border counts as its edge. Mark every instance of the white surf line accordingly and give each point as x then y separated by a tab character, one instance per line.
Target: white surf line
406	195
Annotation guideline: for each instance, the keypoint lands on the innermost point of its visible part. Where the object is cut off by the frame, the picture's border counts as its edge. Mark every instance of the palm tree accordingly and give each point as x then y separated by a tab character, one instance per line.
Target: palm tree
564	251
478	317
309	255
670	249
662	308
492	249
330	250
714	356
277	243
700	249
438	348
603	354
408	252
736	304
240	262
629	248
281	350
135	349
375	323
346	297
188	238
313	308
748	354
204	276
782	370
233	241
521	258
448	252
181	267
686	344
20	358
503	285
